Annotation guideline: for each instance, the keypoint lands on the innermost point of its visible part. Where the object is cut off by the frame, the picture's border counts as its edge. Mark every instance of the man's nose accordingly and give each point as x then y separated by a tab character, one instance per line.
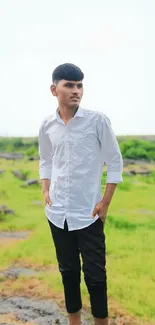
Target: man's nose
75	90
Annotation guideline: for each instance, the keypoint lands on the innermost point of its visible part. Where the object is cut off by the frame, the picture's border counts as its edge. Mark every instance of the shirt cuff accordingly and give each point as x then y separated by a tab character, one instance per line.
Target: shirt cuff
45	173
114	177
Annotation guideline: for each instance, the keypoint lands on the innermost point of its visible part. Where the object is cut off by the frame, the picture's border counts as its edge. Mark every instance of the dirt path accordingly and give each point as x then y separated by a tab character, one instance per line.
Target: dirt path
27	306
22	310
27	310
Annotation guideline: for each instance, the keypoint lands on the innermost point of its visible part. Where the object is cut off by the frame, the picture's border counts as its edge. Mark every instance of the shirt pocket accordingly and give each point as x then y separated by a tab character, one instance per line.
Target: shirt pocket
83	142
88	140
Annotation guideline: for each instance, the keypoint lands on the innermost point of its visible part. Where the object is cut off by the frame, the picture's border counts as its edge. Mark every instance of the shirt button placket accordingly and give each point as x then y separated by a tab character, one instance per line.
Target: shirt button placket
67	176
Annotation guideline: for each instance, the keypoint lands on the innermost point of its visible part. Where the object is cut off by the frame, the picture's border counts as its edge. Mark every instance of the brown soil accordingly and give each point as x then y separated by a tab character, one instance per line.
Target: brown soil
35	288
8	242
12	319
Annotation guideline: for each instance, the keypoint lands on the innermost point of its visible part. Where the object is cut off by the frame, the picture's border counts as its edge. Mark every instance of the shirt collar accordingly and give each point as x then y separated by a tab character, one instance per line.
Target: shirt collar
79	113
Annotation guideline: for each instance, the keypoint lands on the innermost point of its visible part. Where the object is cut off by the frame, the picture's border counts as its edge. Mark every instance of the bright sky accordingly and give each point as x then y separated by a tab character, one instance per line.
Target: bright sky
112	41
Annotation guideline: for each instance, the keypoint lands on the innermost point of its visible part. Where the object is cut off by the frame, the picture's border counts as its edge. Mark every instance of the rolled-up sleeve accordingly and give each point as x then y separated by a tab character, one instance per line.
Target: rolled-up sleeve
45	154
111	153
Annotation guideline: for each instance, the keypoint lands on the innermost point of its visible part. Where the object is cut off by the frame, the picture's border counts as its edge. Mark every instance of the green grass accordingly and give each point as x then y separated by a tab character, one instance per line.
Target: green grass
130	237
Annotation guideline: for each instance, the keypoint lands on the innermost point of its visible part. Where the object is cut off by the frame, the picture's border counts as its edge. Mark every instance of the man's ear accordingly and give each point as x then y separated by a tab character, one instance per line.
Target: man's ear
53	90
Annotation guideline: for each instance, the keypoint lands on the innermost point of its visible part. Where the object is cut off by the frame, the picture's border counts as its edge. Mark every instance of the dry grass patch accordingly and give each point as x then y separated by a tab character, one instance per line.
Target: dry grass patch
122	317
28	288
9	242
10	318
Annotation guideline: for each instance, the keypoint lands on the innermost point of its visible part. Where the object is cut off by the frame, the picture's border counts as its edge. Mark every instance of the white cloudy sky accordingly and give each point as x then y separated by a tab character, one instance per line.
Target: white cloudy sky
111	40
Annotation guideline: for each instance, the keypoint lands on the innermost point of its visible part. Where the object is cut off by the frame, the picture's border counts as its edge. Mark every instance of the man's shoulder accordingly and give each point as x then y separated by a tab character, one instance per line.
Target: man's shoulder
95	113
47	120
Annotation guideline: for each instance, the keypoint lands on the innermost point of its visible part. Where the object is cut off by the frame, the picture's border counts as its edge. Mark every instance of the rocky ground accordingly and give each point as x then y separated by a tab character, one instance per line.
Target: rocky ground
21	309
27	310
30	310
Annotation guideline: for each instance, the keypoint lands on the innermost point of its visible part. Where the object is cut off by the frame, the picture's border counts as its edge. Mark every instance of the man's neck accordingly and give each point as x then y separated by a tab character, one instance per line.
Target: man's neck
67	113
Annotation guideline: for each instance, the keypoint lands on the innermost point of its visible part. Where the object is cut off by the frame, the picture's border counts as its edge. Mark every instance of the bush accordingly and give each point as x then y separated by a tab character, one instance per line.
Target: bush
32	151
17	143
29	147
125	186
138	149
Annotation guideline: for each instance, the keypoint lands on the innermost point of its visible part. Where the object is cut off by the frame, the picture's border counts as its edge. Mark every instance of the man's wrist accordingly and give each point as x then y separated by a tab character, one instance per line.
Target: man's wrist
45	191
105	201
109	191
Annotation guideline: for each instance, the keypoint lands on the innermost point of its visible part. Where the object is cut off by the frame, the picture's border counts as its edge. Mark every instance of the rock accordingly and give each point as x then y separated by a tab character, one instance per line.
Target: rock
19	175
40	312
33	158
11	156
57	321
14	273
139	172
2	171
128	174
5	210
32	182
37	202
14	234
132	172
3	207
144	172
127	162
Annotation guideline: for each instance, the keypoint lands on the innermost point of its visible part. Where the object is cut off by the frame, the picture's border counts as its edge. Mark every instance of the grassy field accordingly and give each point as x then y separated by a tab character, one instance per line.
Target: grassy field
130	240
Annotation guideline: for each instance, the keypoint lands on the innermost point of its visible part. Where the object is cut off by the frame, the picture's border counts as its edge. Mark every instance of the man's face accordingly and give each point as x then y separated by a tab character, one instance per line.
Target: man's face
68	93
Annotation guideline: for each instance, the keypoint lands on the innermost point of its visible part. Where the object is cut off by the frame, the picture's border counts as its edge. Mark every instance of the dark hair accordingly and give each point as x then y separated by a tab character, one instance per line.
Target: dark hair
67	71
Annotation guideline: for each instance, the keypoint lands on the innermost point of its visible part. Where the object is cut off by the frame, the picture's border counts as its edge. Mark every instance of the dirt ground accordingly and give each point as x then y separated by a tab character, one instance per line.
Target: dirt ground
29	307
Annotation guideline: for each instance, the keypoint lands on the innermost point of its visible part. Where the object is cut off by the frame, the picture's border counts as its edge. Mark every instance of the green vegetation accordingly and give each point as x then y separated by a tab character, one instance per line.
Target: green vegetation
27	146
138	149
130	233
131	148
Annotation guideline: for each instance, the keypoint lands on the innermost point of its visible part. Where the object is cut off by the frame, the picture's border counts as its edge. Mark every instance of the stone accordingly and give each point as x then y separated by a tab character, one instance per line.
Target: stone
5	210
2	171
139	172
11	156
19	175
33	158
32	182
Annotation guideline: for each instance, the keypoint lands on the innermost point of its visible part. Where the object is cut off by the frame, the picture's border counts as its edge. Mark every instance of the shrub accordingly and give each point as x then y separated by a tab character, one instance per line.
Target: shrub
138	149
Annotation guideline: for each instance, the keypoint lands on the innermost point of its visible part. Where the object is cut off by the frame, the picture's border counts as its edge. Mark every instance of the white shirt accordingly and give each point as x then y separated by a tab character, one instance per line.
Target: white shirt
72	157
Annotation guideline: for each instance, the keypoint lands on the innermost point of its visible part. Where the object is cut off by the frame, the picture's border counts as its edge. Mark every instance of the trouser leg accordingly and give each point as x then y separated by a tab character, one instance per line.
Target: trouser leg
92	247
67	252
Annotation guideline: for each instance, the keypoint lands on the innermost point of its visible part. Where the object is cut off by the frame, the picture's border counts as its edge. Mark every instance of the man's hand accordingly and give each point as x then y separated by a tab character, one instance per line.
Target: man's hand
47	198
101	209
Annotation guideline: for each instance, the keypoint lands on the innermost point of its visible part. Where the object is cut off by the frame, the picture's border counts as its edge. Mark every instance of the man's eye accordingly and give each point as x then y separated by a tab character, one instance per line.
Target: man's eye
80	86
69	85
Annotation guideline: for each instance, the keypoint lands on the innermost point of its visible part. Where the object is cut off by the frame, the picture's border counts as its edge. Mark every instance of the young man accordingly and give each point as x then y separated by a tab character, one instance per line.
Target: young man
74	144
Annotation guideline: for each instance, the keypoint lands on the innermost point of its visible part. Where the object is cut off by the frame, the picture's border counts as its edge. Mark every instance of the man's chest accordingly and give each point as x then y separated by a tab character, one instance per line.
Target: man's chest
80	138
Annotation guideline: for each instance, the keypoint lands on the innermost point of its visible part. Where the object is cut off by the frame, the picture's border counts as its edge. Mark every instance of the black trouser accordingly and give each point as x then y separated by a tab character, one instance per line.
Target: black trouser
90	242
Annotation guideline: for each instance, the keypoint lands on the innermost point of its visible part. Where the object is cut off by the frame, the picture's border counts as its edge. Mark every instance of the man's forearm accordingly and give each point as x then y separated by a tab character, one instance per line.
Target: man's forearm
45	184
108	194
